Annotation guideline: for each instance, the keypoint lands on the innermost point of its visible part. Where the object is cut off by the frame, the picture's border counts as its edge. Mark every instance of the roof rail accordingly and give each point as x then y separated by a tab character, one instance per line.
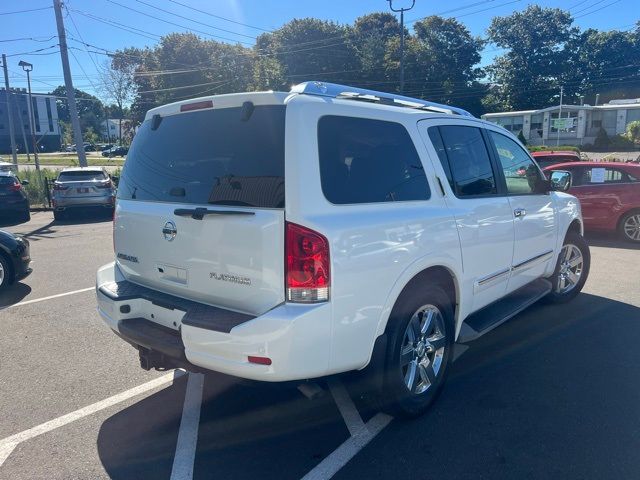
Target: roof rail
334	90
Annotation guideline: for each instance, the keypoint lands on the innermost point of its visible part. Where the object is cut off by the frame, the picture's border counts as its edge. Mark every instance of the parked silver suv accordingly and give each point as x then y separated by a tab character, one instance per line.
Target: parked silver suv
82	187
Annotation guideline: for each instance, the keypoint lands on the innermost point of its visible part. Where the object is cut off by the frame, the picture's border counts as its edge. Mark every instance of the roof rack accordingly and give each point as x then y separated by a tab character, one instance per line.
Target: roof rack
334	90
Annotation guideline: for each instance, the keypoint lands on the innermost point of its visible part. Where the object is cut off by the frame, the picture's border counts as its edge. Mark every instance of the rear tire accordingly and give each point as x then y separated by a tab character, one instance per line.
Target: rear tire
572	269
629	228
58	215
421	331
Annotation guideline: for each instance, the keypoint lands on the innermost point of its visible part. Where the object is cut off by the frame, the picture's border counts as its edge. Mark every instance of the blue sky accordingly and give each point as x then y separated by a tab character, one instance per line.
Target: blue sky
35	30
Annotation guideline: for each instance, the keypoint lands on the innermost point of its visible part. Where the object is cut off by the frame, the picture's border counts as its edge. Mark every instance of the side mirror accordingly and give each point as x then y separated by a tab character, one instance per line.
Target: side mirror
24	182
560	180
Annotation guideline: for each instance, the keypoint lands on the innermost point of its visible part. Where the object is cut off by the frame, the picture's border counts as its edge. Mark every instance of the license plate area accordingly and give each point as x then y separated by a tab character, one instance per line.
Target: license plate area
160	314
82	190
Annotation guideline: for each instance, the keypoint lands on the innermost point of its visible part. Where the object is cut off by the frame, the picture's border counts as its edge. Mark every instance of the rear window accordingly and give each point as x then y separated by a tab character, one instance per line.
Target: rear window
79	176
368	161
210	156
6	180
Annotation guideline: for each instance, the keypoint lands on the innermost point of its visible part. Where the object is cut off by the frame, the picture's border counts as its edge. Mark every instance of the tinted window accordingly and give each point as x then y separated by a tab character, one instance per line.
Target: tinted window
521	174
80	176
465	158
5	180
210	156
365	161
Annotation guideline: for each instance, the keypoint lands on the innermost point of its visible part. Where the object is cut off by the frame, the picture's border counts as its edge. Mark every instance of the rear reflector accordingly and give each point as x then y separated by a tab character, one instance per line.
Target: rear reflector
307	267
259	360
187	107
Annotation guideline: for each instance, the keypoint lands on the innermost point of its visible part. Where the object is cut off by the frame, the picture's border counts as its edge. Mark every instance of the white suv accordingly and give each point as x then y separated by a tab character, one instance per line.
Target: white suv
283	236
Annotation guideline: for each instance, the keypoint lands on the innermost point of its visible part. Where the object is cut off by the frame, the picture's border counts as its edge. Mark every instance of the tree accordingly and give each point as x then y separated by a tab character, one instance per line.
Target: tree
90	108
371	38
119	86
305	49
633	131
442	63
607	63
527	76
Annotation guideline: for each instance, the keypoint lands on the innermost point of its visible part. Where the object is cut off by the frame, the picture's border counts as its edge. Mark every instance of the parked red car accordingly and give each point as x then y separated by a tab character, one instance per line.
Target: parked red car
609	194
547	158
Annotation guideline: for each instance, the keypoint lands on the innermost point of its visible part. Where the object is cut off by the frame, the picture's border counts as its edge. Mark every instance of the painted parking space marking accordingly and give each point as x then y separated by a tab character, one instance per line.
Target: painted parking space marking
347	408
51	297
188	434
7	445
328	467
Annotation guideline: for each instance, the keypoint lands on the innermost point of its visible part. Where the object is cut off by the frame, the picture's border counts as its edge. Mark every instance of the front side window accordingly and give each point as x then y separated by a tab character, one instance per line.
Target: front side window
368	161
465	159
520	172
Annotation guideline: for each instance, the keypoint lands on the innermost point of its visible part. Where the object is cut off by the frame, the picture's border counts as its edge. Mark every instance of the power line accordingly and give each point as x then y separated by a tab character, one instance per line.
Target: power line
25	11
194	21
36	52
597	9
35	39
219	17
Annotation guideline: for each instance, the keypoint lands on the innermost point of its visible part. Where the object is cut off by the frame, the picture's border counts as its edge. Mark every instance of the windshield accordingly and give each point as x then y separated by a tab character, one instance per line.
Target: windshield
80	176
209	157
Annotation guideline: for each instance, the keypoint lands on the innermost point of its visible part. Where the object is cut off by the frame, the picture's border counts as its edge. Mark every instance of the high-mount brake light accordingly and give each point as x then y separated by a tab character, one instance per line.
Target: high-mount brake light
187	107
308	276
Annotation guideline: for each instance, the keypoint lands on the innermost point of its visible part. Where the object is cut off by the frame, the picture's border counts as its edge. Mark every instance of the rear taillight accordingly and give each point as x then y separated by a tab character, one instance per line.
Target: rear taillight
113	231
15	187
106	184
307	262
58	186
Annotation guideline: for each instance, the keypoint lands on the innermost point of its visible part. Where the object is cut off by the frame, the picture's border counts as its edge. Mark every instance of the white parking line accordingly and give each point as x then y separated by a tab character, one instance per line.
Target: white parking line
348	410
8	444
328	467
188	435
36	300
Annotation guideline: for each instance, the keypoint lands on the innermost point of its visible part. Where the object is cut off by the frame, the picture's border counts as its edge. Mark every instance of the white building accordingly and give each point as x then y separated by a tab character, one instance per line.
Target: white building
113	125
576	125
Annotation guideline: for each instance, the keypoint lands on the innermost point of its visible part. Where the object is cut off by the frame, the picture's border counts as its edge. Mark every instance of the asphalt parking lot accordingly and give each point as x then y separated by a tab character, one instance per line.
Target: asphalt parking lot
554	393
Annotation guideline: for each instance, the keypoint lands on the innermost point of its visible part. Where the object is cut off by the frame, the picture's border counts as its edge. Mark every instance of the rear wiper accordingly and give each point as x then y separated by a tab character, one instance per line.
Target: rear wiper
200	212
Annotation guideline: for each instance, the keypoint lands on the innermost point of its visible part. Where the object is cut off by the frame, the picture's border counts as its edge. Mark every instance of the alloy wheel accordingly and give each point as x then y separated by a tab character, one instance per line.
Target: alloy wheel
631	227
2	274
423	348
571	266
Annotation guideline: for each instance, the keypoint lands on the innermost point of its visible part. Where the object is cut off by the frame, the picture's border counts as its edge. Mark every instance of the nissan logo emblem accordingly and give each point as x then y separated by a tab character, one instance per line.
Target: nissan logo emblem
169	231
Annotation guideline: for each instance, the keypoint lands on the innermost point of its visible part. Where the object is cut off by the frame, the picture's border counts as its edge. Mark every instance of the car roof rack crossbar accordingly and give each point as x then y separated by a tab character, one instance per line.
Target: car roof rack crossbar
334	90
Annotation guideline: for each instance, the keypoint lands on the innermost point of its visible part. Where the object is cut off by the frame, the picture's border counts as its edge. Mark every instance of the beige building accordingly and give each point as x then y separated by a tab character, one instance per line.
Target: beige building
574	125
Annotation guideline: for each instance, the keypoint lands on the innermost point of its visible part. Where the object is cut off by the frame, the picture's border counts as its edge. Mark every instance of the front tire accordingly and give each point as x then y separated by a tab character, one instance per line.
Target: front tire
419	350
5	273
572	269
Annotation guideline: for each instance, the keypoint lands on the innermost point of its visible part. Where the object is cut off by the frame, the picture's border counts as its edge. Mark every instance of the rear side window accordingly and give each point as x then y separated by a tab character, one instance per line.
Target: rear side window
465	159
368	161
210	156
80	176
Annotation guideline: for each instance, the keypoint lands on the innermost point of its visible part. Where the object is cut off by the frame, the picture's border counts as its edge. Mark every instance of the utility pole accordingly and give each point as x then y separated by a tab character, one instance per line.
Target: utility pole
12	133
71	96
27	67
559	117
401	10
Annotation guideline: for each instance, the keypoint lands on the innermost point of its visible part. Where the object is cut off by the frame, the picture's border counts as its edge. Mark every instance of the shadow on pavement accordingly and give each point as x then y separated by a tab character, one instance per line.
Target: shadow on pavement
246	431
609	241
14	294
551	394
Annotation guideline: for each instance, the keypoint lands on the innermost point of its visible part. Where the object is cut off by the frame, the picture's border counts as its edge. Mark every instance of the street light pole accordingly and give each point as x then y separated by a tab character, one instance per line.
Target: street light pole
401	10
27	67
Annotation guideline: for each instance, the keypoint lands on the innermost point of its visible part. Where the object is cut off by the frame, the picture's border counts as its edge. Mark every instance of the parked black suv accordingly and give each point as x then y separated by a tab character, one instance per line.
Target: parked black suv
14	204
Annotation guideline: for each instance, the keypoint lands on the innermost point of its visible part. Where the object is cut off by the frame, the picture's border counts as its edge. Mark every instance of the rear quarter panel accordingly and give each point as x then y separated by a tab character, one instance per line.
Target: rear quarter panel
375	248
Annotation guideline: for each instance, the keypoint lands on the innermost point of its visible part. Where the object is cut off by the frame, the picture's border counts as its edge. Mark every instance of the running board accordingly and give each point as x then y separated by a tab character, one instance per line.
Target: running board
491	316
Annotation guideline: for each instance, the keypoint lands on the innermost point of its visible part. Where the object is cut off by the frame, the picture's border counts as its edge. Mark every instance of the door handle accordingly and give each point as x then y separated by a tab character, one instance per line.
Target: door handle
519	212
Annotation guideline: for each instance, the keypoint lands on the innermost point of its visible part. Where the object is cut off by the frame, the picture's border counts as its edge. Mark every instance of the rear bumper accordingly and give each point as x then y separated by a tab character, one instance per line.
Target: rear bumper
295	337
62	203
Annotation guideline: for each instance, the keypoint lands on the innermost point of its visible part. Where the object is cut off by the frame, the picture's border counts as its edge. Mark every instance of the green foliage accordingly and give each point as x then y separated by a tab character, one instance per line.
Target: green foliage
90	136
535	39
36	190
633	131
560	148
621	142
90	109
602	140
521	138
